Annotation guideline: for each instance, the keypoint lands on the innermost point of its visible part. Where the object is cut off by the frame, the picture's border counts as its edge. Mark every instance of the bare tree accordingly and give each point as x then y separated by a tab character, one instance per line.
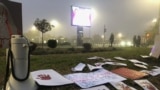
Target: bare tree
43	26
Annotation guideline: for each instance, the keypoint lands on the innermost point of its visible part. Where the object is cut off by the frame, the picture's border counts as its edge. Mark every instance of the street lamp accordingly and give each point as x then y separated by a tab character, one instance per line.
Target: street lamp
54	23
33	28
36	34
119	35
103	39
158	2
154	20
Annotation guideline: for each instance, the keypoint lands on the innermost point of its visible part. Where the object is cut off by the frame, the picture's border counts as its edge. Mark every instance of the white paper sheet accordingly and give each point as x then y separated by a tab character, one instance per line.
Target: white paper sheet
102	87
87	80
137	61
141	66
120	58
79	67
152	72
145	84
145	56
108	59
91	67
116	63
121	86
99	64
145	71
94	58
120	64
157	67
110	63
155	72
49	77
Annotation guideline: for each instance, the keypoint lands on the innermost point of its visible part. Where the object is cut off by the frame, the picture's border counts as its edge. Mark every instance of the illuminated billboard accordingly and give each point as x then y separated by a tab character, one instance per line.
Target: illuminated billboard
81	16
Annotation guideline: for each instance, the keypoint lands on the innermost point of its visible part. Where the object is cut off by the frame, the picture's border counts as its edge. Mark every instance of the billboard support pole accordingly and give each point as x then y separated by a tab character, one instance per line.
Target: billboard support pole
79	35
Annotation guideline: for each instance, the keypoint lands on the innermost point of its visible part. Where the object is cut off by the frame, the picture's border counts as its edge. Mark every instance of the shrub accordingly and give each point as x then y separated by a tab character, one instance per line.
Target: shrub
71	49
65	43
87	47
52	43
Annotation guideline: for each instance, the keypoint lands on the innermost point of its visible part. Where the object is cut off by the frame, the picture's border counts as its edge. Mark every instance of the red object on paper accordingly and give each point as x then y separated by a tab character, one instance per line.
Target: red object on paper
44	77
129	73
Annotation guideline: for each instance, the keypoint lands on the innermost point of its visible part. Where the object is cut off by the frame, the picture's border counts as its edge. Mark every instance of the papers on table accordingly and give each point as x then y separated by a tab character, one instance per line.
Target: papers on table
79	67
121	86
49	77
145	84
87	80
102	87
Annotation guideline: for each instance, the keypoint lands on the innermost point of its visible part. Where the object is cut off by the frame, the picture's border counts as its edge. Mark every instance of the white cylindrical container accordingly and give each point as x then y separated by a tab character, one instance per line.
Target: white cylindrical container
20	49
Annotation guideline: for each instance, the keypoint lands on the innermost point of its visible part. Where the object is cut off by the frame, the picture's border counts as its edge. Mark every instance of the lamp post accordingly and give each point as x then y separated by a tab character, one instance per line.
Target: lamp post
102	36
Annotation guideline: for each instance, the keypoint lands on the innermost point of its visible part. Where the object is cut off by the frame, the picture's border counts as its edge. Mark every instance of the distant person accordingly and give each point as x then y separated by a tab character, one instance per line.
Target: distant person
138	41
134	40
111	39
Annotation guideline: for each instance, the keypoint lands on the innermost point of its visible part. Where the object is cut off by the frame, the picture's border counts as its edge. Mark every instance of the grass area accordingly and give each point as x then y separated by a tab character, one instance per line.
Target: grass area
63	63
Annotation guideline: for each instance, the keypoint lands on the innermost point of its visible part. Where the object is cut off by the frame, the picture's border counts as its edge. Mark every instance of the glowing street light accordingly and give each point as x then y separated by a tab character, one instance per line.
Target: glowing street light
33	28
126	43
55	23
154	20
93	14
119	35
32	39
102	36
157	2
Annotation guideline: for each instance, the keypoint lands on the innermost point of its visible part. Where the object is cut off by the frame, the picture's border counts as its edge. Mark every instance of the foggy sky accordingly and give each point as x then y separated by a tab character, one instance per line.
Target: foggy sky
130	17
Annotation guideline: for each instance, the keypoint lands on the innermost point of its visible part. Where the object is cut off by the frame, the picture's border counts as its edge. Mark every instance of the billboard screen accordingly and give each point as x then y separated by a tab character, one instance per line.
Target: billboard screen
81	16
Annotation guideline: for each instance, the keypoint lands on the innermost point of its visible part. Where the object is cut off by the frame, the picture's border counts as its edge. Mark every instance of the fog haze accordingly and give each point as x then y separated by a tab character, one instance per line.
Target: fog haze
129	17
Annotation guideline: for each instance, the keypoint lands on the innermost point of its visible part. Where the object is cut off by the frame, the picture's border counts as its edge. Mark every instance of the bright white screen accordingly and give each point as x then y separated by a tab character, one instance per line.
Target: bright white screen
81	16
